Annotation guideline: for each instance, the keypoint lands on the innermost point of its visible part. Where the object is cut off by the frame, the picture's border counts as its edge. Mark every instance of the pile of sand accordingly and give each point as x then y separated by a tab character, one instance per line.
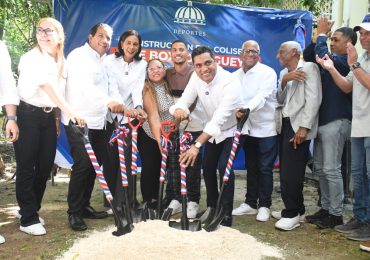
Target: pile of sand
156	240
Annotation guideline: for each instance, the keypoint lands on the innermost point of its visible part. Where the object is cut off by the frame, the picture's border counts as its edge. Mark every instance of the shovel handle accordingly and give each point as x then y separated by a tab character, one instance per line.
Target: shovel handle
133	126
172	128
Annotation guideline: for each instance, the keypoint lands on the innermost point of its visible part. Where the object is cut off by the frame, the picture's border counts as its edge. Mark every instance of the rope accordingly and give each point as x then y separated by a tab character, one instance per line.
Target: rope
185	140
118	136
98	171
230	161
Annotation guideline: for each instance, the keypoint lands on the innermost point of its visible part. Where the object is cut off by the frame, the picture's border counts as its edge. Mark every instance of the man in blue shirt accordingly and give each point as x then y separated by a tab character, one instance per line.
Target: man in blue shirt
335	117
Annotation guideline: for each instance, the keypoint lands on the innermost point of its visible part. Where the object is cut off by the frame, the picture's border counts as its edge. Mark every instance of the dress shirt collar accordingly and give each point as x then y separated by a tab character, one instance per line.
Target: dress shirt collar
253	69
93	52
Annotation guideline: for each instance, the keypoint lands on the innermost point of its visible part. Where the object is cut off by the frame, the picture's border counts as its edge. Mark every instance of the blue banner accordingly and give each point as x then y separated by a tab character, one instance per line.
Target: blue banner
223	28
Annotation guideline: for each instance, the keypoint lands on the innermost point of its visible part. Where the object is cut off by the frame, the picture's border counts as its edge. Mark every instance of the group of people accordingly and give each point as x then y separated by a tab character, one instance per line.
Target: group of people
310	100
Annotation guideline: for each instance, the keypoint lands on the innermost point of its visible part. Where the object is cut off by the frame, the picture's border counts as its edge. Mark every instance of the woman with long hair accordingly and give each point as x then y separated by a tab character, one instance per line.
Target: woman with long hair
41	88
157	99
126	68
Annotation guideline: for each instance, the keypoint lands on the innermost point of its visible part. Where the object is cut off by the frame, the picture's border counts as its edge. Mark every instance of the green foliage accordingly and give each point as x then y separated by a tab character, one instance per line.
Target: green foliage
260	3
18	19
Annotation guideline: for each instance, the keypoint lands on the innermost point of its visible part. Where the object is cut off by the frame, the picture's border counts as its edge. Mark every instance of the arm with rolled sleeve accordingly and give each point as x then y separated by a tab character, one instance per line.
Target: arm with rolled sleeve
267	88
313	95
231	101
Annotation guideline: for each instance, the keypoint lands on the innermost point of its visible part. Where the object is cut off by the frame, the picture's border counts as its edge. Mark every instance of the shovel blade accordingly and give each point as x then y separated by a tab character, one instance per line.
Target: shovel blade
123	227
208	216
140	213
216	221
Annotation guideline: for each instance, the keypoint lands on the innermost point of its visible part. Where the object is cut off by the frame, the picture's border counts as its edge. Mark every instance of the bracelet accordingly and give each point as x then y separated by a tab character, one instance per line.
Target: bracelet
12	118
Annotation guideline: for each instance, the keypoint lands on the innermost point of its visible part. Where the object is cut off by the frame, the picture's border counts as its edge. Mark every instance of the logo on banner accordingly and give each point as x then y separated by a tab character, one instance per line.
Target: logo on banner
190	15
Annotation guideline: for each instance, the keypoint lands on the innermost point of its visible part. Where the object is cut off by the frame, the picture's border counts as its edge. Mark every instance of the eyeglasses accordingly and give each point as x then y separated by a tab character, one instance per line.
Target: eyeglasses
47	31
250	52
152	69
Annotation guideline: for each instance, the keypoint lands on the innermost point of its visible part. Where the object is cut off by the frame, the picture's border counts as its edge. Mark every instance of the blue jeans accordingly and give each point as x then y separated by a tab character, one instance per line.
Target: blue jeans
260	155
328	149
360	169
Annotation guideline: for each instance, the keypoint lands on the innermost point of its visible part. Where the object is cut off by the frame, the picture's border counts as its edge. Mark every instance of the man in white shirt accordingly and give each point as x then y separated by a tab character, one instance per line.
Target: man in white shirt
260	144
90	96
219	92
9	98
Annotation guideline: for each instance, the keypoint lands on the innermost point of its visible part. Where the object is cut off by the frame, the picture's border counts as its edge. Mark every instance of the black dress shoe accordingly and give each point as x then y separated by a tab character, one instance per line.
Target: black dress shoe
76	222
90	213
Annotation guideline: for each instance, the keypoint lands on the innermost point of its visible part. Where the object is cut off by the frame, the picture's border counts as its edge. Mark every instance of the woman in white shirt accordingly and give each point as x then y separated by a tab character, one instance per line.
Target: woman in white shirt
127	69
40	88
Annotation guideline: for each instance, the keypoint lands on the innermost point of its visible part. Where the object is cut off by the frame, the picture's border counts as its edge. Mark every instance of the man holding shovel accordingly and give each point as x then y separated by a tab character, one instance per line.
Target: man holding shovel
219	93
178	77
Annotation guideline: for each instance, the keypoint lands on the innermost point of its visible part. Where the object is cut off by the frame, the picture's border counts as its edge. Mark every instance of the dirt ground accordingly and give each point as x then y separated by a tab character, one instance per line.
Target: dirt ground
305	242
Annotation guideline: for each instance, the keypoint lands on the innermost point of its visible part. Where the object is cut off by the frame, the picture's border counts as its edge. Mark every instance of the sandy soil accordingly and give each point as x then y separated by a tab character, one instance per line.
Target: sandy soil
156	240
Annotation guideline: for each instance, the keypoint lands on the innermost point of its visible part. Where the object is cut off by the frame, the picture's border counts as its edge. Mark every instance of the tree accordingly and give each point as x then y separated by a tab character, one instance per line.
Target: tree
18	19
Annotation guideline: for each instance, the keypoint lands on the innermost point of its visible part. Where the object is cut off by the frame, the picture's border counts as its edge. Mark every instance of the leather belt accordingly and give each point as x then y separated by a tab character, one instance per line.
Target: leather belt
27	106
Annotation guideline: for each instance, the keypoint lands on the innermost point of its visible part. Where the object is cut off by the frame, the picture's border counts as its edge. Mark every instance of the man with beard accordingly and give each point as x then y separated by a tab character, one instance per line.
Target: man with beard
178	77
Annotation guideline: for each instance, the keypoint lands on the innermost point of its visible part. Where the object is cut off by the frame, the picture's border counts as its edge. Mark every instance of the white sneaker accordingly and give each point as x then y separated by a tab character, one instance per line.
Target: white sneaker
18	216
35	229
277	215
110	212
288	223
263	214
244	209
192	210
176	207
2	239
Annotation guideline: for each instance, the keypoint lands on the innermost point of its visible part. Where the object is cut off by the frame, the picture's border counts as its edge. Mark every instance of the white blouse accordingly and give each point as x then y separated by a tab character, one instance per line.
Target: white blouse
35	69
129	78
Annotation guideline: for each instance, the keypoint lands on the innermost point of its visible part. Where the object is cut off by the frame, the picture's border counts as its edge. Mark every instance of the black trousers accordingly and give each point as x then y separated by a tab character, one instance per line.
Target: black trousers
292	171
150	166
83	175
216	157
193	173
34	152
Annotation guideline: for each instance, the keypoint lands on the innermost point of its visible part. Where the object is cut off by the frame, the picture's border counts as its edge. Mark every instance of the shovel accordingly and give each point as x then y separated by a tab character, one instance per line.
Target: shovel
122	227
213	217
185	224
139	212
167	128
118	136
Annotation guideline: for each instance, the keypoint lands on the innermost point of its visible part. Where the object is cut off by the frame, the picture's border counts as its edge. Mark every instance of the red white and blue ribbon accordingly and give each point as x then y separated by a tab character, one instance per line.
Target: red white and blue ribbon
98	171
134	152
166	144
230	161
118	136
185	140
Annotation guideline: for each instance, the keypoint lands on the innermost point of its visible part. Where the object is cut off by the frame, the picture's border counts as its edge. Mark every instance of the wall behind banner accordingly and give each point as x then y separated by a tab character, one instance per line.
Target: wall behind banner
223	28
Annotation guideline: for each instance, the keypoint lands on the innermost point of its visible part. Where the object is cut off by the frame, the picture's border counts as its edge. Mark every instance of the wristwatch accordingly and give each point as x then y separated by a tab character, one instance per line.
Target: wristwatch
355	65
198	145
12	118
